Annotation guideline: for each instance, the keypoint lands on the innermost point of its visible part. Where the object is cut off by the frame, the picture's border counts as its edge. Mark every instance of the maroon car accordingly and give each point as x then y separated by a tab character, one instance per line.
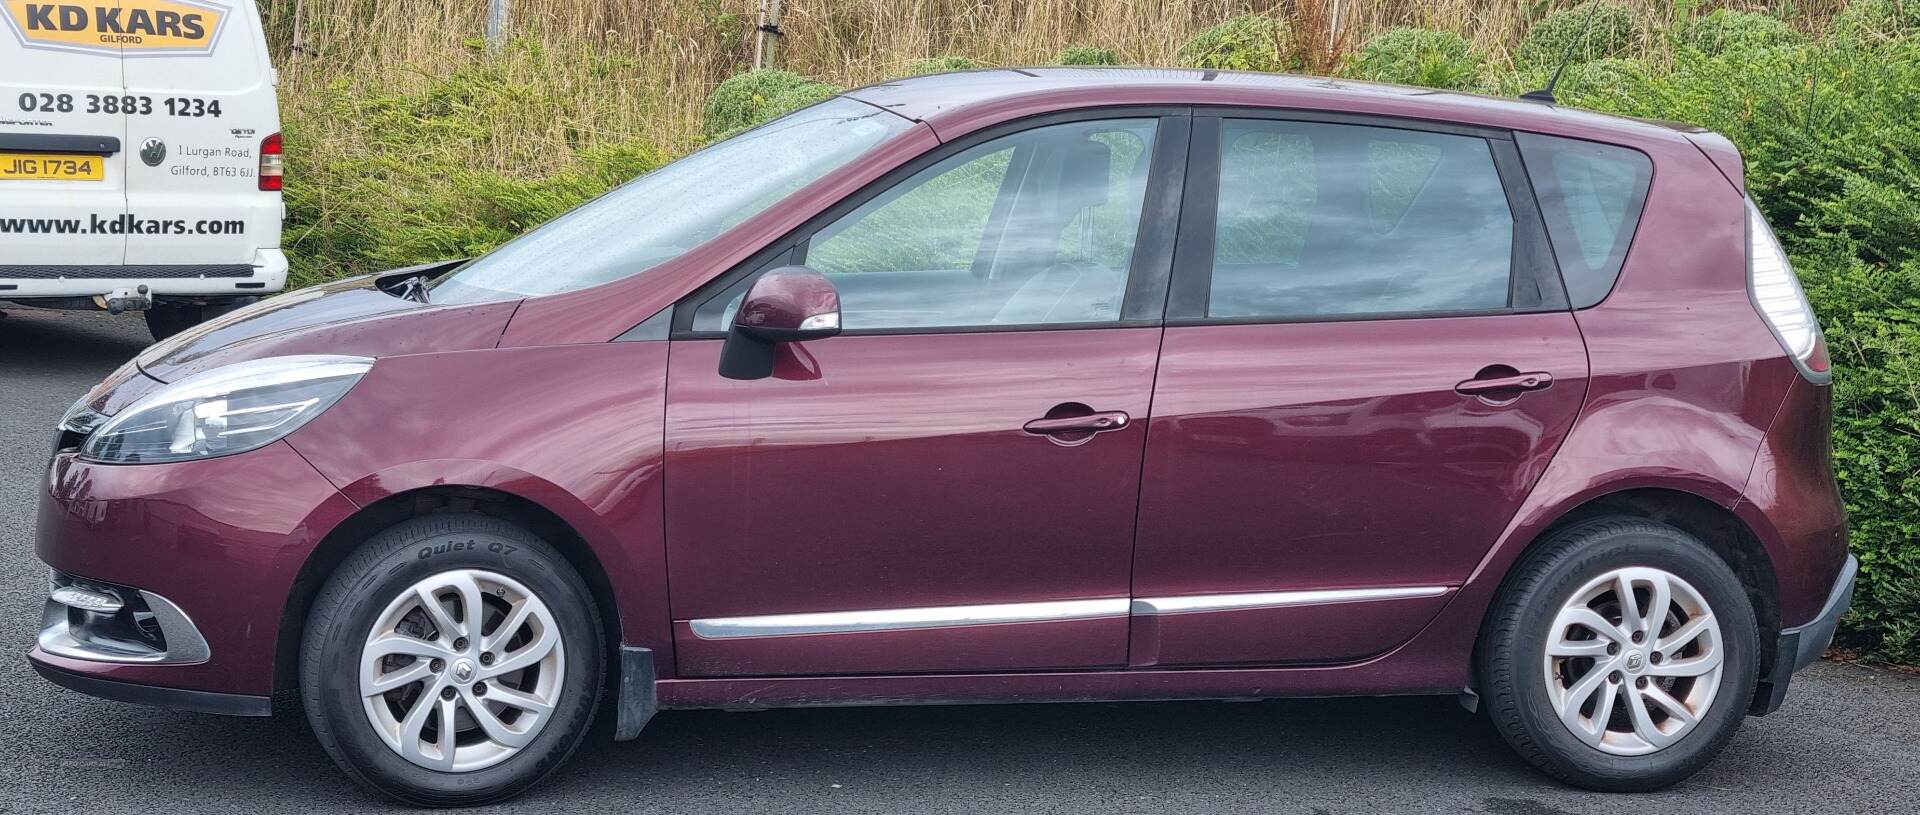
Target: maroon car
1007	385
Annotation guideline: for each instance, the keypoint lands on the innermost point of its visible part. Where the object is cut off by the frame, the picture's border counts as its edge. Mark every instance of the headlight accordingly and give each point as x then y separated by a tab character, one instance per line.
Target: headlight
227	410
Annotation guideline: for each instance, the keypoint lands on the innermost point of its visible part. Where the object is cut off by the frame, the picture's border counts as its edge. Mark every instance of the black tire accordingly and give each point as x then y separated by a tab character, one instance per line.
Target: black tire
1512	673
167	319
358	592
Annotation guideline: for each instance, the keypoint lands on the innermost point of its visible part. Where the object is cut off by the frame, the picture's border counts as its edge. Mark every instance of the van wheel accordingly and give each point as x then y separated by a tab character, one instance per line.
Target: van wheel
453	660
167	319
1621	655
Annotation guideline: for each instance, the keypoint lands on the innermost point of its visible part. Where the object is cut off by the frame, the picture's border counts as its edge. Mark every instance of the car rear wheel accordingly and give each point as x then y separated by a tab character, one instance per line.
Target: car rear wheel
452	660
1621	655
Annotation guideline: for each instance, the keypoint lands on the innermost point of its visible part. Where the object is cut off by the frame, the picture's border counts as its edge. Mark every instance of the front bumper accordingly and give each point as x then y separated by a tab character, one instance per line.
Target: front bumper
1799	647
221	541
199	701
98	622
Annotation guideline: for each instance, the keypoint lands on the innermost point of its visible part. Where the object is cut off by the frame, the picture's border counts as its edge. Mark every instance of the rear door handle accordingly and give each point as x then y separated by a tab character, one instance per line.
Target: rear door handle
1089	423
1511	383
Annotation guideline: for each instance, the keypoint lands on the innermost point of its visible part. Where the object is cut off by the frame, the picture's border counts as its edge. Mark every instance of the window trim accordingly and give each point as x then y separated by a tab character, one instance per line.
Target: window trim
1148	275
1534	283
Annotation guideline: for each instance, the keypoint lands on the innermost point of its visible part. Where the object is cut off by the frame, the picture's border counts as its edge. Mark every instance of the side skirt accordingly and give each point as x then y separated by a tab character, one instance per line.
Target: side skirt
1362	679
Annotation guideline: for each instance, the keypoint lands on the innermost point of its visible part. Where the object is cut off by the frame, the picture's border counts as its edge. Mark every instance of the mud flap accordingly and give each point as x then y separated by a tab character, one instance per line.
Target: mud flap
637	701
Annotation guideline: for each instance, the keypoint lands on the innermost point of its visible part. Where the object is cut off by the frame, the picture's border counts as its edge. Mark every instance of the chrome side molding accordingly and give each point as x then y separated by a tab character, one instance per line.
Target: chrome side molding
905	619
908	619
1276	599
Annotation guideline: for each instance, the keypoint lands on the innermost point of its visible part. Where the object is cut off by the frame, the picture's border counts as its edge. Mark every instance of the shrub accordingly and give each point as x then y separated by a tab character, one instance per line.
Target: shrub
1837	176
1254	42
747	99
1729	31
1607	78
1874	21
941	64
1871	315
1417	56
1593	30
1087	55
382	178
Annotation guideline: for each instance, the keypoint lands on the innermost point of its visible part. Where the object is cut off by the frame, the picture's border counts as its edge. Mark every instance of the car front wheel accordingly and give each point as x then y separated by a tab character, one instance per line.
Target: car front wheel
453	660
1621	655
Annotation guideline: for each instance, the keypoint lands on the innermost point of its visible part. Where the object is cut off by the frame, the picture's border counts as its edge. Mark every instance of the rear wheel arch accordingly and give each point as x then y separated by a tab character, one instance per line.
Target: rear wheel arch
399	507
1716	526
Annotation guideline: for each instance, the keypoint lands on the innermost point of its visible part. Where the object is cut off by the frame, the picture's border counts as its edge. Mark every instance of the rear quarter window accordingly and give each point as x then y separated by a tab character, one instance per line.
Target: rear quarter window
1591	195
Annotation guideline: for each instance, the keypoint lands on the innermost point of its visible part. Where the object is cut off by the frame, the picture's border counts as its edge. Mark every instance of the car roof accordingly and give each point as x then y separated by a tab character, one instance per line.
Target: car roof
961	101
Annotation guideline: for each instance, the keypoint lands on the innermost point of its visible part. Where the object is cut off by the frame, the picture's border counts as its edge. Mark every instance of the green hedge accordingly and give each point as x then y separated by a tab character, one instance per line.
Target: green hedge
1832	146
1086	55
1254	42
941	64
383	178
1591	30
1727	30
1417	56
749	98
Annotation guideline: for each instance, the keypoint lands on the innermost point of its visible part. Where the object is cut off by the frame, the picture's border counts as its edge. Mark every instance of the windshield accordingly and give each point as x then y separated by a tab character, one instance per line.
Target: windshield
656	217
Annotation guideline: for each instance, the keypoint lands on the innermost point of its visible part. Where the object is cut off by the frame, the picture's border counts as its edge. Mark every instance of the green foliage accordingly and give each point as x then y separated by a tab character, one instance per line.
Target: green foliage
1871	315
1593	30
380	178
1417	56
1253	42
1832	154
1729	31
747	99
1877	21
941	64
1086	55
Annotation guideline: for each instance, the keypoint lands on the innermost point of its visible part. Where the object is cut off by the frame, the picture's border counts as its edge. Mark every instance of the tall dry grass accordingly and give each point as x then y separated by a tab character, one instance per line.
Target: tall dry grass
672	52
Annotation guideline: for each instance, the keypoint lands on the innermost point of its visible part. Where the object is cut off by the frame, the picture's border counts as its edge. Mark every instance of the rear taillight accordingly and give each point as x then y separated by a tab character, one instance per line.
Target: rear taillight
272	170
1780	300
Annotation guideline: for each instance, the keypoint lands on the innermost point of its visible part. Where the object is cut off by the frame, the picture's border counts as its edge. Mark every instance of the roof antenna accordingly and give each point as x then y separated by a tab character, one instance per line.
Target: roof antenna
1546	94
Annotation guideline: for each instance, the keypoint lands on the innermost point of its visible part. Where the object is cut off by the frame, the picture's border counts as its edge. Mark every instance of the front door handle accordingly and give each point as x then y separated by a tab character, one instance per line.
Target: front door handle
1500	382
1088	423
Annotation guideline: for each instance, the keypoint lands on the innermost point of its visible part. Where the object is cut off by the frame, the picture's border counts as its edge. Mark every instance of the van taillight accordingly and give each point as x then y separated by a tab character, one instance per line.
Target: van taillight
1780	300
272	170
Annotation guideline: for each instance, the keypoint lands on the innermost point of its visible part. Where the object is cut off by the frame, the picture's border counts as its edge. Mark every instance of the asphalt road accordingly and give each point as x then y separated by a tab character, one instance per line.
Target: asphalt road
1848	740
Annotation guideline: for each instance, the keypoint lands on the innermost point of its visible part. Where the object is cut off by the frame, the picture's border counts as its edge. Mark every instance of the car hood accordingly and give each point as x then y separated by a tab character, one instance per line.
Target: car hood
355	317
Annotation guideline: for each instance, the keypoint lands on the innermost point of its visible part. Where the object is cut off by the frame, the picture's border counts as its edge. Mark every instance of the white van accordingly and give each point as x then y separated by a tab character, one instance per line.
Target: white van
139	158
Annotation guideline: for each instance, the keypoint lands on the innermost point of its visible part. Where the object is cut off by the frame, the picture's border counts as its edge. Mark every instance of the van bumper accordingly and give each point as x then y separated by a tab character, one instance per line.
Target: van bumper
266	274
1801	646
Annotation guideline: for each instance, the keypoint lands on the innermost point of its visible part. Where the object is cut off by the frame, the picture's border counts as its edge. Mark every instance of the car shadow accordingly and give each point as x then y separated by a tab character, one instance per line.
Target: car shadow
1078	757
46	341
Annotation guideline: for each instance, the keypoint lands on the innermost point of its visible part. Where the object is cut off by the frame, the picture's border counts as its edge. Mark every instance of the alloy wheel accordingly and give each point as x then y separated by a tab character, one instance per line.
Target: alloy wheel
1633	661
462	670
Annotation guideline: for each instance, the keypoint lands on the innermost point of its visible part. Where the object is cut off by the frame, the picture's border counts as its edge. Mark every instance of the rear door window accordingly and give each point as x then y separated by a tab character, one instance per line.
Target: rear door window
1591	195
1320	220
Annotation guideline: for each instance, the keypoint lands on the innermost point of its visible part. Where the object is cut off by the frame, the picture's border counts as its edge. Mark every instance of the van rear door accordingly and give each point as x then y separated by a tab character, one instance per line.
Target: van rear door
213	105
63	151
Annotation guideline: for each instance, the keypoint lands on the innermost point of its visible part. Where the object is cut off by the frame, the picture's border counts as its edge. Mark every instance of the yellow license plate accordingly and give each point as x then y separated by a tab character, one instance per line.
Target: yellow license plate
51	167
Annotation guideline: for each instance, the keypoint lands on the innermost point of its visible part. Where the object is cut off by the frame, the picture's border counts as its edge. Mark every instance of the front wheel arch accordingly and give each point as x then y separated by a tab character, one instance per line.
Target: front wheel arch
400	507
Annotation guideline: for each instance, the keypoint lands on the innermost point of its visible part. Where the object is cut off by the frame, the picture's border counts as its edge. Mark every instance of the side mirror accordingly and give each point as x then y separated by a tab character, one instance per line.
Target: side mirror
787	304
